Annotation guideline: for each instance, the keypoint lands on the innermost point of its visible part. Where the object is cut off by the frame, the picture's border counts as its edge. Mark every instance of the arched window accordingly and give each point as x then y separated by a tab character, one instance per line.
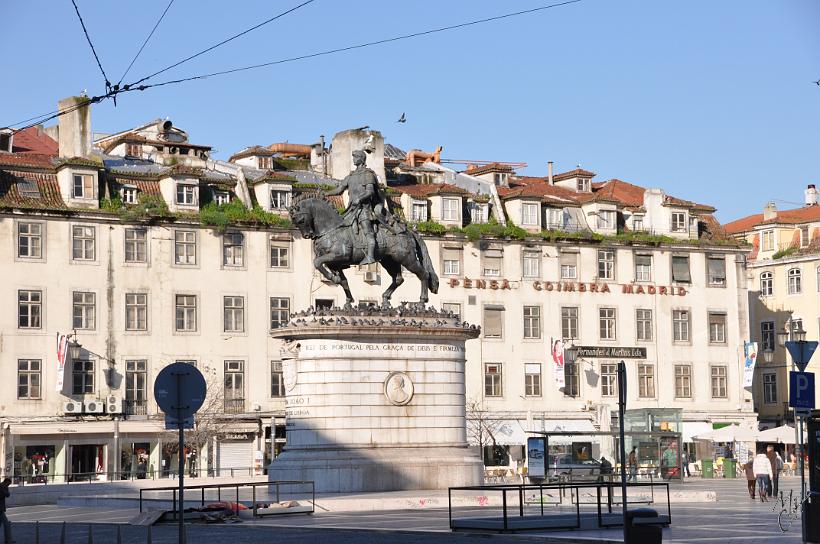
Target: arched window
766	284
794	281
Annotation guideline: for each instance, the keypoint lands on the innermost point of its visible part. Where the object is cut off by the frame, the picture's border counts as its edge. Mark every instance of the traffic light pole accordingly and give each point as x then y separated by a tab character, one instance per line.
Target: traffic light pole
622	448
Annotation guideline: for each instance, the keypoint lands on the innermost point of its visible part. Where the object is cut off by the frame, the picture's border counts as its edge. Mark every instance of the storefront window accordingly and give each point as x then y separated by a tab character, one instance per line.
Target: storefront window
33	464
135	460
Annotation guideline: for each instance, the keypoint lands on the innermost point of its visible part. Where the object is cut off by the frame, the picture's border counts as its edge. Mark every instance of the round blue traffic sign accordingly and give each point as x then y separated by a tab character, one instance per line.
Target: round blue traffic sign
180	390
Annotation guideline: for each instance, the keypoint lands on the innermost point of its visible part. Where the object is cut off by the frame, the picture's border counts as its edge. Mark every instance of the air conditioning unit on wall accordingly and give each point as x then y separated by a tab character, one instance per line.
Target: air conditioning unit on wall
94	406
371	277
113	404
72	407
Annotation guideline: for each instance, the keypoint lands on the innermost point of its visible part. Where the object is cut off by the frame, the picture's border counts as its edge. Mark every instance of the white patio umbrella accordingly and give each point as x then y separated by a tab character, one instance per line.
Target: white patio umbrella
730	433
780	435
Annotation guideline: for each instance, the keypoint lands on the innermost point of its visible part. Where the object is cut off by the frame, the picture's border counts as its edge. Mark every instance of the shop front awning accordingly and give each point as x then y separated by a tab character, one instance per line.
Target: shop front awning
507	432
694	428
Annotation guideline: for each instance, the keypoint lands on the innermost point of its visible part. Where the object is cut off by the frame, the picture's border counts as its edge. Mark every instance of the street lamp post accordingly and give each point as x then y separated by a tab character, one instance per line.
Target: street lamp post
796	335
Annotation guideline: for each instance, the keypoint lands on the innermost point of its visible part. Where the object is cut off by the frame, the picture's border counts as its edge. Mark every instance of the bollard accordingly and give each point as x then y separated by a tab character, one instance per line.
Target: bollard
119	534
62	534
150	535
90	535
36	532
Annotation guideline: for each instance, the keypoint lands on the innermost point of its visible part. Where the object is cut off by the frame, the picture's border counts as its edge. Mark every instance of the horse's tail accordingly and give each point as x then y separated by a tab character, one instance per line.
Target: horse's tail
424	258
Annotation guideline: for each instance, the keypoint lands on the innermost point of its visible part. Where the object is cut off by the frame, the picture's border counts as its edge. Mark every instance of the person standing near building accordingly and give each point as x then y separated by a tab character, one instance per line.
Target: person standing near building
4	521
684	459
762	468
632	463
750	478
777	466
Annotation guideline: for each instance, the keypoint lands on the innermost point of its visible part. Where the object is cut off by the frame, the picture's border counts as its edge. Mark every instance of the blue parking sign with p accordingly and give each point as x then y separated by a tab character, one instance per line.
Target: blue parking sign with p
801	390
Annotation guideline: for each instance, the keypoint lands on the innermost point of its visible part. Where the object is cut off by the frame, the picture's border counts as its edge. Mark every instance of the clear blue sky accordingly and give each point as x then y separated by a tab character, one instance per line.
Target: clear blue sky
711	100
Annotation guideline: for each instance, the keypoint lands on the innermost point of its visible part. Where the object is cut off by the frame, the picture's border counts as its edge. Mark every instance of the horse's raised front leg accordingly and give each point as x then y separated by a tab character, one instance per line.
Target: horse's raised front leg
320	263
394	269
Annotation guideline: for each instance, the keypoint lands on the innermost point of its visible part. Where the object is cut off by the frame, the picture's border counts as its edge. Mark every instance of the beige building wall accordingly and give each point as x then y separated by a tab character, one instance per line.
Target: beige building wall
110	278
776	308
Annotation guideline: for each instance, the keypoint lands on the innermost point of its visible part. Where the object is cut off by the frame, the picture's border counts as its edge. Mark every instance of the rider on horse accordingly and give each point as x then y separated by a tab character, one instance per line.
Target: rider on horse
366	203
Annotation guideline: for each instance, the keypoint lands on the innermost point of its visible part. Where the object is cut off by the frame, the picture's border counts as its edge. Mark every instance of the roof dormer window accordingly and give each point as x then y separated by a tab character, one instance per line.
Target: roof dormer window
264	163
279	199
186	194
221	197
6	140
583	185
129	195
133	150
83	186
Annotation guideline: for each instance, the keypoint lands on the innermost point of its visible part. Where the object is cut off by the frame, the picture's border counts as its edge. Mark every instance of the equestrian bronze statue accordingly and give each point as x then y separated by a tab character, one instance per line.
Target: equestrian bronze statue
366	232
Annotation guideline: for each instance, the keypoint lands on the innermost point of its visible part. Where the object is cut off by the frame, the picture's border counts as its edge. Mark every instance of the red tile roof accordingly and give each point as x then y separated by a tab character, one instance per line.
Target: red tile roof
578	172
806	214
543	191
34	140
31	160
492	167
428	189
11	197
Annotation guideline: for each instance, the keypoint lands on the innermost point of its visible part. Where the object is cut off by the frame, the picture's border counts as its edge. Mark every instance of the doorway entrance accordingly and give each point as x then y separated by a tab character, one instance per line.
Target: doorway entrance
86	462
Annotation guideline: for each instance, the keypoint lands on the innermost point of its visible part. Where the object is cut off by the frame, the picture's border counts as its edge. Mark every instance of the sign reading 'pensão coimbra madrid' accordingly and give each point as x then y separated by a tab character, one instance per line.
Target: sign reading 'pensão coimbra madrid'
566	286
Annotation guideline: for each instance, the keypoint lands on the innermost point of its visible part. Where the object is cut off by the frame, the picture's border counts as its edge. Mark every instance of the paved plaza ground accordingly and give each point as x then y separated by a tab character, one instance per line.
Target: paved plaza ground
733	519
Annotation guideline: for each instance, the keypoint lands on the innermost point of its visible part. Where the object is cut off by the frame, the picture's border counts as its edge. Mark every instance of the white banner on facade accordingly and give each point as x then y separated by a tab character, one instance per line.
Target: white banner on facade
750	352
62	349
557	346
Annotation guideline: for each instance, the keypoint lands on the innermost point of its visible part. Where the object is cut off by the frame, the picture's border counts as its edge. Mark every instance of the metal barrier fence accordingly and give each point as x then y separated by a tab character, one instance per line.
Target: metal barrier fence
131	475
237	499
523	506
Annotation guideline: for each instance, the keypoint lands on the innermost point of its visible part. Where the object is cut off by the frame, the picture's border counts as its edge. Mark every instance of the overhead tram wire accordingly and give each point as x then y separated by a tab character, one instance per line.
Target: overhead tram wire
136	87
87	37
145	42
57	113
223	42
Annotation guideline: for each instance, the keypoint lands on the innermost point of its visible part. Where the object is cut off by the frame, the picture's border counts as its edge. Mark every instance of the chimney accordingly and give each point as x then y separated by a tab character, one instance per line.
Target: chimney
811	195
75	127
769	211
549	173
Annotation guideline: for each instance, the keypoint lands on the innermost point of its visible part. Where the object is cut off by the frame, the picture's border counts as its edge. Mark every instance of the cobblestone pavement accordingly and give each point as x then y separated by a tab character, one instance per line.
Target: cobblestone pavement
733	519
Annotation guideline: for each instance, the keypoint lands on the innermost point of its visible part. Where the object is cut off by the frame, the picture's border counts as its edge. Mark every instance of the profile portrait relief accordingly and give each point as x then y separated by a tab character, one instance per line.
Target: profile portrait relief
398	388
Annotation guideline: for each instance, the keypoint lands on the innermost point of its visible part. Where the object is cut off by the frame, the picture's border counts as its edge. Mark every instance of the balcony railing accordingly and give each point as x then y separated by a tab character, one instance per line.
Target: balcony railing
234	406
134	407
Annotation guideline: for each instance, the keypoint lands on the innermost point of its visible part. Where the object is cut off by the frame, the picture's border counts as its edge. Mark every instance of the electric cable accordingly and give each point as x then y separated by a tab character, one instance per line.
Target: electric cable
144	43
134	86
223	42
87	37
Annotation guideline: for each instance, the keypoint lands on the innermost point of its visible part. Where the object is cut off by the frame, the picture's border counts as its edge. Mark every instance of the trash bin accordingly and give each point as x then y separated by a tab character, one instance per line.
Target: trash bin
707	469
642	534
729	468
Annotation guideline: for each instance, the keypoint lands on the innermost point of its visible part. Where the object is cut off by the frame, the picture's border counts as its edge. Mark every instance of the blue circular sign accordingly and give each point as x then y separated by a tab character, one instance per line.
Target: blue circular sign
180	390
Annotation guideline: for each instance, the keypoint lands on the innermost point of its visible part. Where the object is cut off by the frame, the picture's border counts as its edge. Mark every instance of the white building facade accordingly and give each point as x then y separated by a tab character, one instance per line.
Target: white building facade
140	287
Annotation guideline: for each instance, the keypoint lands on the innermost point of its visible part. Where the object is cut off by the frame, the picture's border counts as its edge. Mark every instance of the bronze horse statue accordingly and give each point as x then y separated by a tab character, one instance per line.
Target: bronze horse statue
337	246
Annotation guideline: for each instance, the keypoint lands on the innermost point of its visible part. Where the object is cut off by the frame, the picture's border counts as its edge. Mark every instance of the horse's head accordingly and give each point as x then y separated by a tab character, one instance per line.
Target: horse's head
301	216
313	214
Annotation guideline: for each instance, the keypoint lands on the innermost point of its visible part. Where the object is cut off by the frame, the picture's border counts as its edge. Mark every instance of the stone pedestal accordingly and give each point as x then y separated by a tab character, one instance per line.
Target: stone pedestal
375	401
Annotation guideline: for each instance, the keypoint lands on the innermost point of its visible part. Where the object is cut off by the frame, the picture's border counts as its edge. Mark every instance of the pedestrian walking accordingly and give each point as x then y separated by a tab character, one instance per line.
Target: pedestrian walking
762	468
4	521
633	465
684	459
773	459
750	478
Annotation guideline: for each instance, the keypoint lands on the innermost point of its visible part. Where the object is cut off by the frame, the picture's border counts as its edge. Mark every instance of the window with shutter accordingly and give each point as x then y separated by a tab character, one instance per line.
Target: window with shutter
716	269
680	269
492	262
493	321
451	261
569	266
